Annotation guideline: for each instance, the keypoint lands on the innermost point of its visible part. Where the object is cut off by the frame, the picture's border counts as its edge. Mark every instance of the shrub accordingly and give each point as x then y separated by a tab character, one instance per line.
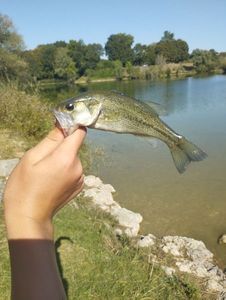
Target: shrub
23	113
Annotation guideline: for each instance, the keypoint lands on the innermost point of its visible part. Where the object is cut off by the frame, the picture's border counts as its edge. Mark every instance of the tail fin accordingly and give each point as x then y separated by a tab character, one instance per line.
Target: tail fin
184	153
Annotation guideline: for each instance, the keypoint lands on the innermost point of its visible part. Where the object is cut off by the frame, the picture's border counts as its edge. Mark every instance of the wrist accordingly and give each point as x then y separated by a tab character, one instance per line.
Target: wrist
24	227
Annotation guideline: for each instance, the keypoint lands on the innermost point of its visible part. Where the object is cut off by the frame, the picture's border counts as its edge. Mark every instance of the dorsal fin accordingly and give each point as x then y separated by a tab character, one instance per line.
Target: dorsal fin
158	108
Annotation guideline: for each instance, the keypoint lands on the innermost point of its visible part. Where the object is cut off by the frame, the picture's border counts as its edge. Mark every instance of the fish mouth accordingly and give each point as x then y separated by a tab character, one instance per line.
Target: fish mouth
65	121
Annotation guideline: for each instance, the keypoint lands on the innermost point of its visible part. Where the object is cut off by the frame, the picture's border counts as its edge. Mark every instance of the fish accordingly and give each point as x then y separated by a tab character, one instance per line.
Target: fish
116	112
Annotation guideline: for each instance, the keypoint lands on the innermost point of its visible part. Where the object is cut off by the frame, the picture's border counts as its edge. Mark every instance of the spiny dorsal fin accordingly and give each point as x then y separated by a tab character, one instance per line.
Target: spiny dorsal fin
158	108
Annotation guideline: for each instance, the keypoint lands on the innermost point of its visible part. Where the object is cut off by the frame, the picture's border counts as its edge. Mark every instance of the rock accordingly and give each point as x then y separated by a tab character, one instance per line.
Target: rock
7	165
109	188
128	219
222	296
169	271
118	232
194	249
99	193
192	256
222	239
101	198
213	285
92	181
146	241
192	267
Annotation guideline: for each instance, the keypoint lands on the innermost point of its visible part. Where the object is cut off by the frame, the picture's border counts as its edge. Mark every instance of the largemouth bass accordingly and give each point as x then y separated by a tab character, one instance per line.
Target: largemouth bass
113	111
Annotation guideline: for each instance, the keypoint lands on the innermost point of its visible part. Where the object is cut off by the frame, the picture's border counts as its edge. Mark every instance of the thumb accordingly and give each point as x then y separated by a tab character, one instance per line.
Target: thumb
73	142
48	144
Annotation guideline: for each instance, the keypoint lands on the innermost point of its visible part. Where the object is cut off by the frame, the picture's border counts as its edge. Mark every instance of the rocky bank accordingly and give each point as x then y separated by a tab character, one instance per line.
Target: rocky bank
187	255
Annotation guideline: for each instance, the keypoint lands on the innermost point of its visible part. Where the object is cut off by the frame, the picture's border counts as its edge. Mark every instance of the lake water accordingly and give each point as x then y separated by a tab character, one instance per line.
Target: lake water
143	172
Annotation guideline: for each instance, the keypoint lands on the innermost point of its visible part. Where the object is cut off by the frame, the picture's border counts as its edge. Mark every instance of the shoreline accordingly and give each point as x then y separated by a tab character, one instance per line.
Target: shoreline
187	255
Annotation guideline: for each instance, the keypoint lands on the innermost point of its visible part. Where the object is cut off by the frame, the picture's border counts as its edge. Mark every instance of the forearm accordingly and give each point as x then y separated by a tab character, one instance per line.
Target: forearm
34	270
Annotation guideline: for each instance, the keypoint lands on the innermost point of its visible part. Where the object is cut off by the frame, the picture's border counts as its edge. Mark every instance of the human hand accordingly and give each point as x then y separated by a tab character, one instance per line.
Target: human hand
46	178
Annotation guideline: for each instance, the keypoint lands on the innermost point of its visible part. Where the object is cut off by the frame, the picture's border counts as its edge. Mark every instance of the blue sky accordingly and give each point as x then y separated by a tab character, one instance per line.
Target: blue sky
201	23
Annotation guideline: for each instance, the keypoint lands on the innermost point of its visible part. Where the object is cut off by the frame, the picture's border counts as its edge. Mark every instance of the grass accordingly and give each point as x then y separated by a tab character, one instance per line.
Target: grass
24	113
11	144
97	265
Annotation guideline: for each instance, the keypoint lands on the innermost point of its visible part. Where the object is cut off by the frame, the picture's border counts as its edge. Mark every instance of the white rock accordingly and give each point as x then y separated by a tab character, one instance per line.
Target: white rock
222	239
213	285
169	271
222	296
192	267
118	232
92	181
146	241
101	198
196	250
7	165
109	188
171	249
128	219
132	231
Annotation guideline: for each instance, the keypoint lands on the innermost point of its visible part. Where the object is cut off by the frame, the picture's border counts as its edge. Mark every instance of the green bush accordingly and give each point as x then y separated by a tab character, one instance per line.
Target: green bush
23	113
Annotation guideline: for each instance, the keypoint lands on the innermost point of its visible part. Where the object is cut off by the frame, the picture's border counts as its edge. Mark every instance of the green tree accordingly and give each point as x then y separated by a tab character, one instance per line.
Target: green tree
46	54
144	54
64	67
182	50
76	52
167	36
93	53
173	50
118	69
33	59
204	60
12	66
150	55
60	44
104	69
222	61
139	54
84	56
10	40
119	47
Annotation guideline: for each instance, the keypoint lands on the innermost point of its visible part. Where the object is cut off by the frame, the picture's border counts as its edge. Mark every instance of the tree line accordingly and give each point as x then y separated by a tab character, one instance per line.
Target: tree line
74	59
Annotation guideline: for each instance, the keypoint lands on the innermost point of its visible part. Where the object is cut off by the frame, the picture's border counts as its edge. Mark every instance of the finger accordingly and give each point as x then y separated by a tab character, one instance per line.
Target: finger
54	138
73	142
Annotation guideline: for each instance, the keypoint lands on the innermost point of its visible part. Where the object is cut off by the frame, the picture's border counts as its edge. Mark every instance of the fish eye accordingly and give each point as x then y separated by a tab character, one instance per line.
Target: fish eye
69	106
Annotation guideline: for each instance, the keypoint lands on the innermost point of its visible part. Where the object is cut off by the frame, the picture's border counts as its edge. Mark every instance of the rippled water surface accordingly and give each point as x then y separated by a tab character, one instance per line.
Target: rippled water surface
143	173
